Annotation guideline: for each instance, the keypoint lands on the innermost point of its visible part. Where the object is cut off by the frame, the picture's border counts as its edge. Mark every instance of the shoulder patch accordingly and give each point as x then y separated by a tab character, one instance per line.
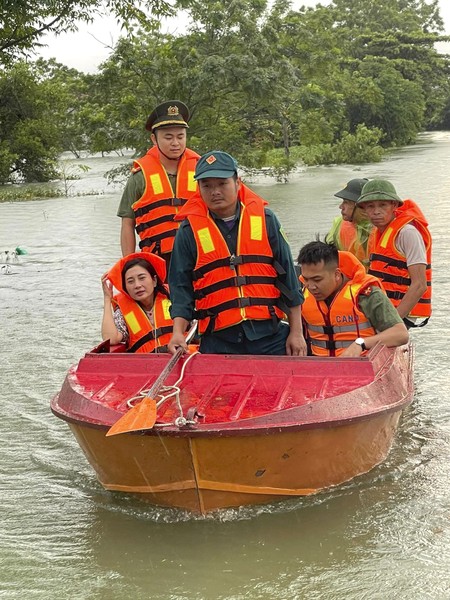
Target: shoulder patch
136	169
284	235
367	291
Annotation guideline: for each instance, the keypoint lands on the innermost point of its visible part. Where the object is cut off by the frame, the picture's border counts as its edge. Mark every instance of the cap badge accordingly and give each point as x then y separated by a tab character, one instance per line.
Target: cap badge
173	110
211	159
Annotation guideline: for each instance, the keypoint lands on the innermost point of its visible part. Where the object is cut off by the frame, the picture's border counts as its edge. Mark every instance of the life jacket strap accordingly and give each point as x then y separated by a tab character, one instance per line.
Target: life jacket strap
397	295
154	239
149	337
238	281
330	344
235	303
140	212
233	261
392	262
154	223
387	277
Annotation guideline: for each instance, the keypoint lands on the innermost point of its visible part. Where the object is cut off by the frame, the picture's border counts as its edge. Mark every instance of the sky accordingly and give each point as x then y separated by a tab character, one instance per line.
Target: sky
86	49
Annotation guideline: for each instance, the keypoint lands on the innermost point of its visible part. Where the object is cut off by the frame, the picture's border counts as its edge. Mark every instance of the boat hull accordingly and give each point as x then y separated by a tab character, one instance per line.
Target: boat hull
299	451
204	474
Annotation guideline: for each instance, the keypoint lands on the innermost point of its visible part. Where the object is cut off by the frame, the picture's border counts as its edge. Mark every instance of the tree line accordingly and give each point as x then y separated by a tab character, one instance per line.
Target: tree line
271	85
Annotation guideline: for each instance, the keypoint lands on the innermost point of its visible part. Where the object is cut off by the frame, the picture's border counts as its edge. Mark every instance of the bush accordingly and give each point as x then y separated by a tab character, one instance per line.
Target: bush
360	147
29	193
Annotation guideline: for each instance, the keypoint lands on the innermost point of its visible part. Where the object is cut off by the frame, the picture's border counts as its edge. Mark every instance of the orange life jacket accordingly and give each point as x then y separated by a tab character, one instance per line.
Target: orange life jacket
231	289
143	336
155	210
356	238
333	328
390	266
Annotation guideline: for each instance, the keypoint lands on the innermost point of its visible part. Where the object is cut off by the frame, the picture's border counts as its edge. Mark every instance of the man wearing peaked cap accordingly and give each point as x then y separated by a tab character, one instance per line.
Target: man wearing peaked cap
401	256
352	231
160	183
232	269
168	114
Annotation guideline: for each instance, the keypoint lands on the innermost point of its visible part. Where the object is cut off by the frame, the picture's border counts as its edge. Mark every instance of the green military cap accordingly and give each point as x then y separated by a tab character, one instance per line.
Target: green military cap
172	113
379	189
352	189
216	164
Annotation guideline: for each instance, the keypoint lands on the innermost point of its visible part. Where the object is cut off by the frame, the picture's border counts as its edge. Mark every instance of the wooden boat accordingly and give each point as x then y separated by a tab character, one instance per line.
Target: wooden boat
241	429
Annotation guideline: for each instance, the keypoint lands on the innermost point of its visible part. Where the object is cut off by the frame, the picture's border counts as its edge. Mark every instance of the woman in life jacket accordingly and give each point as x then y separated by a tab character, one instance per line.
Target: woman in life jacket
138	314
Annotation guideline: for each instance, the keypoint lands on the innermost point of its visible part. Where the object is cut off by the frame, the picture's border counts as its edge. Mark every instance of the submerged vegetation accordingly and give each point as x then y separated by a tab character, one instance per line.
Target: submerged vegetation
272	85
38	192
66	171
15	194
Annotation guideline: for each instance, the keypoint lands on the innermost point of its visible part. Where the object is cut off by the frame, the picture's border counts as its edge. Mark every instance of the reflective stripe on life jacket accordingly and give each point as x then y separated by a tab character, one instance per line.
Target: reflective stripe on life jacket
333	328
387	263
231	289
155	210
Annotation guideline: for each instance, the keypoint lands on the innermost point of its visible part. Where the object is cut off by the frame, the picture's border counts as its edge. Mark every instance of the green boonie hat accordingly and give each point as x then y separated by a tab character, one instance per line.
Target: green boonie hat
215	164
172	113
379	189
352	189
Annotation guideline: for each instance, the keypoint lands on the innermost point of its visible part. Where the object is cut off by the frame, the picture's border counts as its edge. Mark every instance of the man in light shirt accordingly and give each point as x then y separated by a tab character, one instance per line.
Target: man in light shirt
401	255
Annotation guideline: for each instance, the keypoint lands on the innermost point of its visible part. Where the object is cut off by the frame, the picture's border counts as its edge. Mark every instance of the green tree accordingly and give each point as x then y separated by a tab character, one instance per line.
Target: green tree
70	92
226	69
266	83
24	22
393	35
29	134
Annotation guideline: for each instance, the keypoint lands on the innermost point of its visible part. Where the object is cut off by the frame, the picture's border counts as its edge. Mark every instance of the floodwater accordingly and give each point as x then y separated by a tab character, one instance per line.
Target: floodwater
384	535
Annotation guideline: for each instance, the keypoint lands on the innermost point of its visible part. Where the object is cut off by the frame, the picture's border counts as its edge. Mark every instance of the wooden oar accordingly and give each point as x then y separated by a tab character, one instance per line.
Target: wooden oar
143	415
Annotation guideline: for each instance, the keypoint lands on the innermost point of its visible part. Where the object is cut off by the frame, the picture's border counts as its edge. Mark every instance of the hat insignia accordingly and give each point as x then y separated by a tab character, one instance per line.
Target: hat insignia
173	110
211	159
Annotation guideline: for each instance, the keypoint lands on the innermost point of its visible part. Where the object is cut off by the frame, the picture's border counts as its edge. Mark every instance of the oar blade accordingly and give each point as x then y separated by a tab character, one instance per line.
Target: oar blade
140	417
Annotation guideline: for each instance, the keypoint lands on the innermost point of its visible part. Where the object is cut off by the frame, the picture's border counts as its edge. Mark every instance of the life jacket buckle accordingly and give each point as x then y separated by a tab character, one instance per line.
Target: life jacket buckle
234	261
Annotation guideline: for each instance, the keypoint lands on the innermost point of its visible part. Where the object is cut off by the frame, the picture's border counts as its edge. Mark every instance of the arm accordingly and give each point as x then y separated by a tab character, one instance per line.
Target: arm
384	318
409	242
109	329
295	343
397	335
134	189
179	327
181	267
415	291
127	236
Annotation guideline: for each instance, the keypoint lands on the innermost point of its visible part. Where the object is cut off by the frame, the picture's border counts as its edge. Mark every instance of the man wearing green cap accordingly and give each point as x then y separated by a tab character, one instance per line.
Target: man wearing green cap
160	183
352	231
401	257
232	269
